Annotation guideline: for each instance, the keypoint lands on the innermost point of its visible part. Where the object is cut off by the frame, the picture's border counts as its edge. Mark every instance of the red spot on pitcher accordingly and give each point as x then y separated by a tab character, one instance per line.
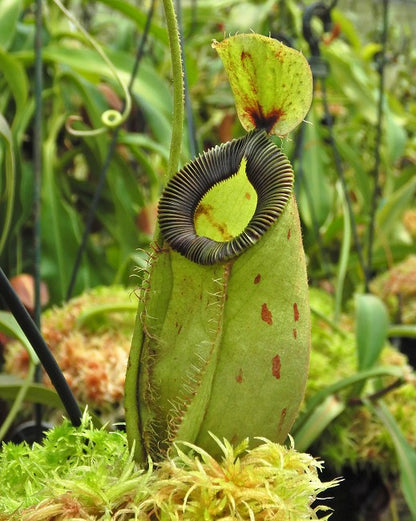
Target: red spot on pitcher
266	314
276	366
282	419
295	312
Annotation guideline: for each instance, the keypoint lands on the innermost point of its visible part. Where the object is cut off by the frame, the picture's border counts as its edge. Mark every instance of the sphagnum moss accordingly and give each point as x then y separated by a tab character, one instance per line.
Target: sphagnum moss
88	474
268	482
90	338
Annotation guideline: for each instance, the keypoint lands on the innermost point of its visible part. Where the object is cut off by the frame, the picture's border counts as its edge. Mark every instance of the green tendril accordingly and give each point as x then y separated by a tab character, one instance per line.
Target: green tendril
110	118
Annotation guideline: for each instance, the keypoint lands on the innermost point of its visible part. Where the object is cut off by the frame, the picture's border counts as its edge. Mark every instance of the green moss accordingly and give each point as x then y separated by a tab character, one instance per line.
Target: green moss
87	467
267	482
85	473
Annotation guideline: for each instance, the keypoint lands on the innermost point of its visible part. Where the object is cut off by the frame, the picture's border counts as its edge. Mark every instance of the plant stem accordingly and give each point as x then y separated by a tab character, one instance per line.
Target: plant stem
178	110
193	145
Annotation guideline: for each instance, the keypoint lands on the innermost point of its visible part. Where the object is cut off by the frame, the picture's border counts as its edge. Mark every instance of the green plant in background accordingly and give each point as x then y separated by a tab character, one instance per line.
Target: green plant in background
222	322
346	113
342	429
77	81
359	401
349	413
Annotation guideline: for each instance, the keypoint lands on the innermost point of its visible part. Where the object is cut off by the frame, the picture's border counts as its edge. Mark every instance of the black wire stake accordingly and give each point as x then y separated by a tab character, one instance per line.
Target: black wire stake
37	170
112	147
377	152
46	358
323	11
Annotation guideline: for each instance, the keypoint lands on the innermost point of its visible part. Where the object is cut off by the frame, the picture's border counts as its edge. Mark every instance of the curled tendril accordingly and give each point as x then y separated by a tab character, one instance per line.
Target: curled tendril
267	169
110	118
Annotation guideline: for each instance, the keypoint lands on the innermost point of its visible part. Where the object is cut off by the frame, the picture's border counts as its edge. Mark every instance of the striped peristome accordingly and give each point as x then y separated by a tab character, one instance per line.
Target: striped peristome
267	169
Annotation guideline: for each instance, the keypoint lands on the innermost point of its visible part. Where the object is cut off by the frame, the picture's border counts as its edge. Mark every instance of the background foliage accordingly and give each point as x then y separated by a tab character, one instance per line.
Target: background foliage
344	166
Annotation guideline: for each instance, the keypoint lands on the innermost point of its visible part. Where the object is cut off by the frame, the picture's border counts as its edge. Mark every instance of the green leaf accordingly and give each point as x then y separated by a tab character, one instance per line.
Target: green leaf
372	324
138	16
347	29
90	315
10	327
148	86
402	330
343	254
314	190
321	397
406	454
271	83
396	137
353	79
10	387
10	12
144	141
140	145
357	169
36	393
317	422
7	198
19	395
61	231
15	75
392	208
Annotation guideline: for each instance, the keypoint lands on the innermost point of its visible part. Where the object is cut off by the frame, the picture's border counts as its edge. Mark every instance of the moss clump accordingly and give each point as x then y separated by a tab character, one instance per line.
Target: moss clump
269	482
397	288
75	473
90	338
88	474
356	437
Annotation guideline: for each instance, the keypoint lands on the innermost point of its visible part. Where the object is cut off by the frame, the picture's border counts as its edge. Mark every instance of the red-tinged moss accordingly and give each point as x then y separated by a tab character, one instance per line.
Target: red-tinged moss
87	473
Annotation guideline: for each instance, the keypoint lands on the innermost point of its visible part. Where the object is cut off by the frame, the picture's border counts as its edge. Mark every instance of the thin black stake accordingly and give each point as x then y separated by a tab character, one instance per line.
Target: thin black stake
323	11
377	152
46	358
341	176
109	157
37	167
